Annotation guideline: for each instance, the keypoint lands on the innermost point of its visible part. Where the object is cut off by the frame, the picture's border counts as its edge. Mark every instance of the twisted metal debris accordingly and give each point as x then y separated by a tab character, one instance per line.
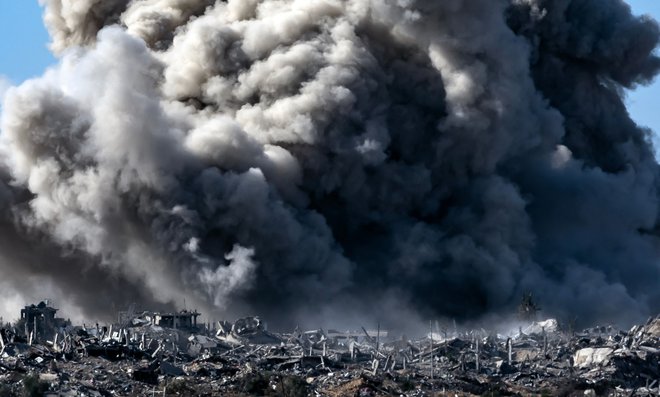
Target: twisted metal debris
243	358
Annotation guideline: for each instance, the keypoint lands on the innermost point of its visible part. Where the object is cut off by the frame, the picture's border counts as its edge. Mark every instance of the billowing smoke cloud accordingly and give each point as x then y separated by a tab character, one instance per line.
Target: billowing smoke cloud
335	158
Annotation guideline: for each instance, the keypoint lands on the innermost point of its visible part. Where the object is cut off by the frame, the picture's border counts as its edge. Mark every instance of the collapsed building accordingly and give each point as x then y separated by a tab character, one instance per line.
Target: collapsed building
181	320
184	319
39	321
147	355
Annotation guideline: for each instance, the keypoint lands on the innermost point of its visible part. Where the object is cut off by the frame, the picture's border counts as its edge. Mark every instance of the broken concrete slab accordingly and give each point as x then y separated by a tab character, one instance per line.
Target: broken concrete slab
470	362
592	356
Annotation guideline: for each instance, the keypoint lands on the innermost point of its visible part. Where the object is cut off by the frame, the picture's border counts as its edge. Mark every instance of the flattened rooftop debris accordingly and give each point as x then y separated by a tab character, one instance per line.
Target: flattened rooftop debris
246	330
184	319
243	358
592	356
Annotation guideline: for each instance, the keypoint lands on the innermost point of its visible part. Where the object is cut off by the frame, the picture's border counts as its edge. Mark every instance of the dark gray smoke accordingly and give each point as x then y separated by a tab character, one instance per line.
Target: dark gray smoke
335	158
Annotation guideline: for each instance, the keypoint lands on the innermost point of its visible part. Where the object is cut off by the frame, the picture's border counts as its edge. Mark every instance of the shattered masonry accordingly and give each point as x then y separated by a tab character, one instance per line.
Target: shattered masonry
142	357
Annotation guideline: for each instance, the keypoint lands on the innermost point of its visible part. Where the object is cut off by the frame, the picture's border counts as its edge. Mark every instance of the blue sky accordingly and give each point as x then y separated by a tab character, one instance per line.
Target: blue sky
643	102
24	43
25	53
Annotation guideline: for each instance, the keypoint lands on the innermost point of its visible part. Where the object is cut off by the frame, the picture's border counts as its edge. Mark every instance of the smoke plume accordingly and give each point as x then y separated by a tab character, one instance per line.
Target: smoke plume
335	158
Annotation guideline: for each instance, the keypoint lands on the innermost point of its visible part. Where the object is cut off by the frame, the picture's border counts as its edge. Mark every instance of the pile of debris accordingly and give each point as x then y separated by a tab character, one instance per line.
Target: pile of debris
244	359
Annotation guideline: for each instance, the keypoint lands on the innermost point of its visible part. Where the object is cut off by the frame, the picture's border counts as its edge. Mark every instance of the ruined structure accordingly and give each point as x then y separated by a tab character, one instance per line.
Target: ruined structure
179	320
242	358
184	319
379	160
39	322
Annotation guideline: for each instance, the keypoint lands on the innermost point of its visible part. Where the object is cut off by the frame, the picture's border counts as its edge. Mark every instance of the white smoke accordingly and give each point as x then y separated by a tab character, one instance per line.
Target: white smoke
324	157
227	280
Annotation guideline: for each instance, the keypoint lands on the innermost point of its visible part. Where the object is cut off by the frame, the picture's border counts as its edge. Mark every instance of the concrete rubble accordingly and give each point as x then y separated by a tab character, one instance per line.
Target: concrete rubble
242	358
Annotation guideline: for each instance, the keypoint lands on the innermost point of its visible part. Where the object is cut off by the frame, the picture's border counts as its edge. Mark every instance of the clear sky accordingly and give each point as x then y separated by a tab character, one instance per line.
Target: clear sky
25	54
23	40
643	102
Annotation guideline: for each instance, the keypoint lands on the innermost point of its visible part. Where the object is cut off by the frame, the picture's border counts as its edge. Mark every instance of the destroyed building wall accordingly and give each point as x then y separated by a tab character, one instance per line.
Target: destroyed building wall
39	322
180	320
184	319
245	359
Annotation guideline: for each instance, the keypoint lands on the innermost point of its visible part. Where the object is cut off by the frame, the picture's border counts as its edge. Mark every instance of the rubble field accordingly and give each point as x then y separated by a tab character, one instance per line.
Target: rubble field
140	358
